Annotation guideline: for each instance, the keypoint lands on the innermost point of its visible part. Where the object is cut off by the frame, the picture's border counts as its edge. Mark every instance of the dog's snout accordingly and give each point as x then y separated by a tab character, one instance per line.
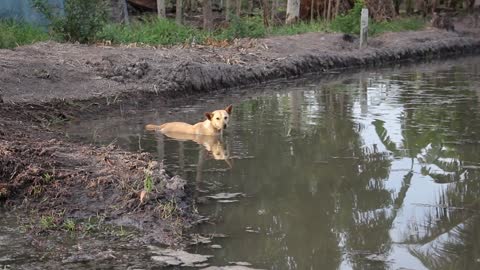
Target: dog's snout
224	126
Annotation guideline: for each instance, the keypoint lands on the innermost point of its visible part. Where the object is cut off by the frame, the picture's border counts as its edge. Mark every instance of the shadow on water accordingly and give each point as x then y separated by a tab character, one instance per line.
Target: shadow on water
378	170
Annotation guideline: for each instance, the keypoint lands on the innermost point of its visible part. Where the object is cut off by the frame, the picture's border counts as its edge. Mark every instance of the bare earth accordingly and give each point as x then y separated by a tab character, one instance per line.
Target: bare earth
46	71
41	172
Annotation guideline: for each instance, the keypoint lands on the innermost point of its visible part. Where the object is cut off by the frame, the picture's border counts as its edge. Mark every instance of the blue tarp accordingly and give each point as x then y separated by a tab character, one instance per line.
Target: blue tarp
23	10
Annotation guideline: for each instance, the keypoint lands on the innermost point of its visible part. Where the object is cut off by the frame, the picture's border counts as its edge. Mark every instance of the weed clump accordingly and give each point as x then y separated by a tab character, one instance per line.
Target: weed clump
14	33
349	23
80	21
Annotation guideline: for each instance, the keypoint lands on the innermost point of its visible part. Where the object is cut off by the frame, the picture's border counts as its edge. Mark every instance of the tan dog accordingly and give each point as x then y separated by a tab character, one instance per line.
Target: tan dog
214	125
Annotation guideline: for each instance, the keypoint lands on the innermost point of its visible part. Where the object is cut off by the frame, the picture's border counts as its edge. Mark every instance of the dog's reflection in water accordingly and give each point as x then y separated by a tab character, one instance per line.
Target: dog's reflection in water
213	144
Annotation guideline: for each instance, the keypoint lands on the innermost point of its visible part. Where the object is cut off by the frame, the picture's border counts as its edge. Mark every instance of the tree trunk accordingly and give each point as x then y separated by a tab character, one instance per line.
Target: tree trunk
325	4
207	14
238	8
273	11
293	11
266	16
161	8
250	7
380	10
397	4
193	5
311	10
409	7
470	4
119	11
228	9
329	10
434	6
337	7
179	12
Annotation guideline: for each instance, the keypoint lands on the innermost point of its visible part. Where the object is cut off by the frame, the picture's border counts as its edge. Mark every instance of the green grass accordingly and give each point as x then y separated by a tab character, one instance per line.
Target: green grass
250	27
166	32
300	28
13	34
47	222
151	32
155	31
398	25
70	225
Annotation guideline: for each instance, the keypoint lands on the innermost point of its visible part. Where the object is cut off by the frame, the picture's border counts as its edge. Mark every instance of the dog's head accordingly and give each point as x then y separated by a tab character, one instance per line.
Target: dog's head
220	118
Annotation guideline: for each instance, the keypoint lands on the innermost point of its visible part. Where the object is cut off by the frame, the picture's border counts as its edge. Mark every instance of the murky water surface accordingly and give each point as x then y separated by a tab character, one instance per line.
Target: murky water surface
377	170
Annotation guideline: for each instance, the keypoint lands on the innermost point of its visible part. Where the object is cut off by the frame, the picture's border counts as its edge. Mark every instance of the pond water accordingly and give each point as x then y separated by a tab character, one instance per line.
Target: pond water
378	169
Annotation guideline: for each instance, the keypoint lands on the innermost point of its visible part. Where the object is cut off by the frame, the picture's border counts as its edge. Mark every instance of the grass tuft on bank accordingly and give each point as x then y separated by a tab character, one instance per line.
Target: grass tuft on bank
13	34
154	31
166	32
151	31
398	25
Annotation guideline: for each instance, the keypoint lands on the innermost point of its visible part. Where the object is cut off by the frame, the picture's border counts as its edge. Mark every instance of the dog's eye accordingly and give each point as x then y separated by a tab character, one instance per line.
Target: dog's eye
226	118
218	118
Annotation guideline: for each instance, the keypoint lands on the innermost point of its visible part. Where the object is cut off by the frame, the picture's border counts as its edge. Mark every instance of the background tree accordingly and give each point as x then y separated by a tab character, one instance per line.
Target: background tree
238	8
380	10
266	12
207	14
179	12
119	11
293	11
161	9
228	9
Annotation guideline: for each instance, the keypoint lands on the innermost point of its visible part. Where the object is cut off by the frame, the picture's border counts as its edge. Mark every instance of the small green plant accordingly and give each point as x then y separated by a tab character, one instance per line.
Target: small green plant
69	225
93	224
397	25
47	222
90	225
47	178
148	182
36	190
350	22
152	31
167	209
80	21
299	28
13	34
121	232
242	27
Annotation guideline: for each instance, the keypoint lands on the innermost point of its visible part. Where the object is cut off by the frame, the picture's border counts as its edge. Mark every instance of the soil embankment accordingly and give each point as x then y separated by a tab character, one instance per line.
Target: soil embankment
47	83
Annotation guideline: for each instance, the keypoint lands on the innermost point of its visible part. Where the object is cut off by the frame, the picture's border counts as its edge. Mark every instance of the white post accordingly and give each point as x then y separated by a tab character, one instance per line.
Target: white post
364	28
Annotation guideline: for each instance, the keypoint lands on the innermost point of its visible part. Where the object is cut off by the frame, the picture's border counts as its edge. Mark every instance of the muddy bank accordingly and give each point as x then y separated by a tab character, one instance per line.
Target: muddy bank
47	71
80	206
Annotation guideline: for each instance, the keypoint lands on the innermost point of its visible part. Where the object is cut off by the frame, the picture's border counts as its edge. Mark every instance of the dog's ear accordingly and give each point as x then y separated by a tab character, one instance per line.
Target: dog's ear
229	109
209	115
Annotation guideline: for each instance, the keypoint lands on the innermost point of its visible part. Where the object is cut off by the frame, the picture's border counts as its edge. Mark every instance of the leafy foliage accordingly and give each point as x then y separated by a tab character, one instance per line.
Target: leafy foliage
81	20
403	24
13	33
350	22
243	27
153	31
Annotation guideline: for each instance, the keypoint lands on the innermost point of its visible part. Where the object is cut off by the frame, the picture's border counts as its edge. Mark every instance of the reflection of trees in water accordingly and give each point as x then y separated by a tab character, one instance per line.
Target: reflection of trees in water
441	137
459	249
343	194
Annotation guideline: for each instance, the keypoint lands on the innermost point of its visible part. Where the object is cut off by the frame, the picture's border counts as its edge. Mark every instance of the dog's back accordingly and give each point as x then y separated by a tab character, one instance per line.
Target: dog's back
172	127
